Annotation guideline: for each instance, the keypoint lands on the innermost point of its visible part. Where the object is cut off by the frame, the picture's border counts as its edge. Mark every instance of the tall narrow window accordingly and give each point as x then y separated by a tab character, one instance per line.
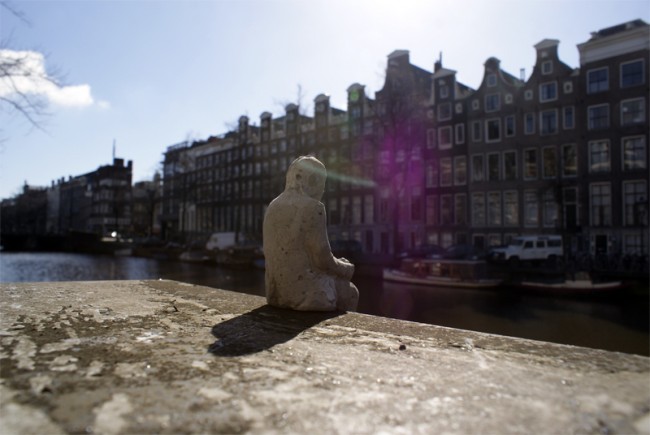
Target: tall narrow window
530	164
531	209
445	171
597	80
460	208
549	162
598	117
510	165
478	209
569	160
493	130
510	208
569	118
635	195
548	122
446	209
550	208
494	208
494	167
633	111
601	204
492	102
460	170
548	92
460	133
478	167
432	210
476	131
444	137
634	153
529	123
599	156
632	73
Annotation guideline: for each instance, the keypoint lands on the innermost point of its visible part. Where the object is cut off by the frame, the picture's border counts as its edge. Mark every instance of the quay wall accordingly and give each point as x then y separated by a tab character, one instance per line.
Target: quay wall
168	357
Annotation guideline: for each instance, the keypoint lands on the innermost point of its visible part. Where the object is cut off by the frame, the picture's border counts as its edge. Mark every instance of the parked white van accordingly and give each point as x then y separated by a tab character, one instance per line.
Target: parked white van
530	248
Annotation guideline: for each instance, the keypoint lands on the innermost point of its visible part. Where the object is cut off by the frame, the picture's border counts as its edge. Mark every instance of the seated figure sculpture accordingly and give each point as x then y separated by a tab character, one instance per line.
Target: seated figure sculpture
301	272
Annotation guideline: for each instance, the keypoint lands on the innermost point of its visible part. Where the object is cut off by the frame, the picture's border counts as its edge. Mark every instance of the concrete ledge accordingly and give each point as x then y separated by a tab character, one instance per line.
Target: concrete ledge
167	357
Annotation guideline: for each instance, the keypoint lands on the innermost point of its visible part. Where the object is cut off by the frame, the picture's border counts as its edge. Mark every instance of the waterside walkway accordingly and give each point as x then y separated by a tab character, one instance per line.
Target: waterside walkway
167	357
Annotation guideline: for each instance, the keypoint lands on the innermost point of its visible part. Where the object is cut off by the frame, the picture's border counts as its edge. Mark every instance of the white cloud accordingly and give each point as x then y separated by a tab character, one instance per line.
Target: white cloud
24	72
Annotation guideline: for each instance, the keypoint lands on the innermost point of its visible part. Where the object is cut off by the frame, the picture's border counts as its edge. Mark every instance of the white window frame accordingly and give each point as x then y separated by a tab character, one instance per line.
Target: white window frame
457	160
526	116
588	81
487	162
451	172
564	117
444	111
514	221
476	207
445	145
541	123
636	196
525	166
643	73
496	107
431	138
478	129
503	165
575	147
547	67
459	134
592	205
487	130
643	114
531	219
595	106
643	161
482	158
542	87
608	166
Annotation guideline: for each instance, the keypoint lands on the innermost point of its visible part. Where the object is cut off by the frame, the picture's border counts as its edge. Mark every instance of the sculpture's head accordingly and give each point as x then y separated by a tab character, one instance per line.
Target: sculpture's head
307	175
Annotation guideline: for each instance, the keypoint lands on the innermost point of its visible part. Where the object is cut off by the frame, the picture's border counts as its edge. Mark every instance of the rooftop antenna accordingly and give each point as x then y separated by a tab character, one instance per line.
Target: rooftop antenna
113	149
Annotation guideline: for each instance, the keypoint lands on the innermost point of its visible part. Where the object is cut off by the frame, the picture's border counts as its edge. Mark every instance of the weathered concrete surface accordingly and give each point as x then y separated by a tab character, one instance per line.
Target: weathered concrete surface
166	357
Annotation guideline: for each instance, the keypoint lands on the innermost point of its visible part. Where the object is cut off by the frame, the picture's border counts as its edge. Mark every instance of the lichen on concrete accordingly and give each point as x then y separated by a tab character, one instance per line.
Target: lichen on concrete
165	357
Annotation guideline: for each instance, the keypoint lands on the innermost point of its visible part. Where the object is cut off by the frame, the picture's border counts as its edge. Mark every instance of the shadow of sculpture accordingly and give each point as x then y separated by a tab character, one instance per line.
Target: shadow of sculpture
262	328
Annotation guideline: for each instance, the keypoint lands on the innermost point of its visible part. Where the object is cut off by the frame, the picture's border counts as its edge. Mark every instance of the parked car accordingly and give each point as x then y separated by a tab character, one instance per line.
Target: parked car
529	248
460	252
421	251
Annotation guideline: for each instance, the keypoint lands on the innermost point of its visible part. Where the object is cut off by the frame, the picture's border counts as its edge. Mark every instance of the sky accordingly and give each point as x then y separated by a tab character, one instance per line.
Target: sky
144	75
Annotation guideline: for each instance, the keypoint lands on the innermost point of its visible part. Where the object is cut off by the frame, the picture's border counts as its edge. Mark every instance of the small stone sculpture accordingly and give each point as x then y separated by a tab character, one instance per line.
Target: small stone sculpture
301	272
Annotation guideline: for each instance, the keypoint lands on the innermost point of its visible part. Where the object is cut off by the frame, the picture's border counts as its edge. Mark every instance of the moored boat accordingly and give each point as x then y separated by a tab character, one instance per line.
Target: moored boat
571	287
443	273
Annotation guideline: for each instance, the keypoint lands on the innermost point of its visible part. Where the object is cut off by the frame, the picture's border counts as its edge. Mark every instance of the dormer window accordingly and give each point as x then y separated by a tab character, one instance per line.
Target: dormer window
492	80
444	91
547	67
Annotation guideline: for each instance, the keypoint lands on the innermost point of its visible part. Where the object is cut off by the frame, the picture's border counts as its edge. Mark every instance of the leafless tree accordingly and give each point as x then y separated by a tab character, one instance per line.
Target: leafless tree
16	70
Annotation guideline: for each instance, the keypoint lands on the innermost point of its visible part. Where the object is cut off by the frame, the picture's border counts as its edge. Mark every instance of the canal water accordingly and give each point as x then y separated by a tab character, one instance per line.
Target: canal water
619	322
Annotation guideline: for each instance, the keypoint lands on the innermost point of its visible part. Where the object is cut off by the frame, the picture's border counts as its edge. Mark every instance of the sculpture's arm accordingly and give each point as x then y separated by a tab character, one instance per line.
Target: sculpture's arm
319	247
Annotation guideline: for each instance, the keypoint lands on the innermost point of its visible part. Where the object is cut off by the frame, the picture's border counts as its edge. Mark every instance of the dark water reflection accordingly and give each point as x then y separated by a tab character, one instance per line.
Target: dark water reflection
619	323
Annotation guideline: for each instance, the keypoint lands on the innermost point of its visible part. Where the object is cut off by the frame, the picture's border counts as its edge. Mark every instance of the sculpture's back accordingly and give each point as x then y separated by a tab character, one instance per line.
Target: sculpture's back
301	272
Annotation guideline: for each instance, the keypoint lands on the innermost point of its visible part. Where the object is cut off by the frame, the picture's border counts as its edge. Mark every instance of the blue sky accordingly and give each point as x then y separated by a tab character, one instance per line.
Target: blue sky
149	74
